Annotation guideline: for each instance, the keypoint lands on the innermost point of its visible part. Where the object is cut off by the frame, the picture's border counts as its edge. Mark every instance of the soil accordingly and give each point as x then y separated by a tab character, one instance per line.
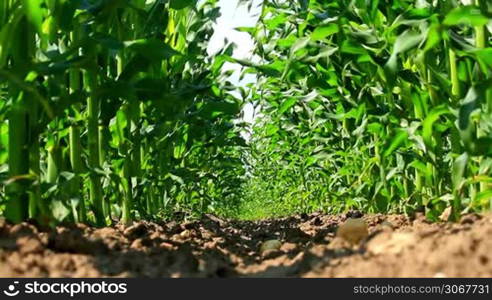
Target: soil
397	246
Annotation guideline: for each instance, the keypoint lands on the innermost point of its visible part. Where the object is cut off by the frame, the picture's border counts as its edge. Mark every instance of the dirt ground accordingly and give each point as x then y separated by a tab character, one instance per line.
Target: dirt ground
211	247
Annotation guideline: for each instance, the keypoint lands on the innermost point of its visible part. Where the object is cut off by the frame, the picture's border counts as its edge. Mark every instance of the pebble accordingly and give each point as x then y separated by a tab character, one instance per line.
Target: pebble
270	245
353	230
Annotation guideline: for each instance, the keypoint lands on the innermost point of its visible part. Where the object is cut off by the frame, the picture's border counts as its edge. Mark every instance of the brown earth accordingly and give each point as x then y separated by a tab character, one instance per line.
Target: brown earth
396	247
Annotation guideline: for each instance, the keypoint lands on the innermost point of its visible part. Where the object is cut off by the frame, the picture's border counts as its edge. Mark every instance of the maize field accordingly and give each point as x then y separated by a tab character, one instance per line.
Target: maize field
117	123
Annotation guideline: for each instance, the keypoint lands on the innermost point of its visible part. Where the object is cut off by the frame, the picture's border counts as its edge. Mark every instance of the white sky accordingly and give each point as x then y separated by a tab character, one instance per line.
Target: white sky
232	17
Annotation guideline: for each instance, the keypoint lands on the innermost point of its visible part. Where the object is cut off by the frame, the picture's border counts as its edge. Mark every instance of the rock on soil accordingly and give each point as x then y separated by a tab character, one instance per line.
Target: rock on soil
301	246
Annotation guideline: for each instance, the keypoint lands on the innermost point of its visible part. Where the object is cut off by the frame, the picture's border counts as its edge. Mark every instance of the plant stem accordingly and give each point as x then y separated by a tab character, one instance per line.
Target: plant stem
77	168
18	150
93	110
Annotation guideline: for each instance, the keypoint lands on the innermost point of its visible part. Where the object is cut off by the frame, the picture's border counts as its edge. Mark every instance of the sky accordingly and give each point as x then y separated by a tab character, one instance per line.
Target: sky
232	17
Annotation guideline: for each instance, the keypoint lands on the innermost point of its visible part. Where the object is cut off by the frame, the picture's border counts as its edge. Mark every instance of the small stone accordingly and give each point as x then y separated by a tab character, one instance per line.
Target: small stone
353	231
185	234
270	245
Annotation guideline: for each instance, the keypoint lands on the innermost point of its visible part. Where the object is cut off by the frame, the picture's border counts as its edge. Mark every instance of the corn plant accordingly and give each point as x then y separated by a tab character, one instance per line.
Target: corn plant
377	105
113	111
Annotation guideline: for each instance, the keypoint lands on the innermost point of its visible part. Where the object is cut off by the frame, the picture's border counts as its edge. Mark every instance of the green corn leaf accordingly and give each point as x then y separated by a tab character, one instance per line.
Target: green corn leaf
34	12
459	167
468	15
422	167
286	104
485	57
400	138
214	109
405	41
484	198
59	210
427	125
151	49
323	32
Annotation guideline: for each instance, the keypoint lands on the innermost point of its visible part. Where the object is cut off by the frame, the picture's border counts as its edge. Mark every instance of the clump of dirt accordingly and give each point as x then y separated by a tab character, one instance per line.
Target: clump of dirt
305	246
